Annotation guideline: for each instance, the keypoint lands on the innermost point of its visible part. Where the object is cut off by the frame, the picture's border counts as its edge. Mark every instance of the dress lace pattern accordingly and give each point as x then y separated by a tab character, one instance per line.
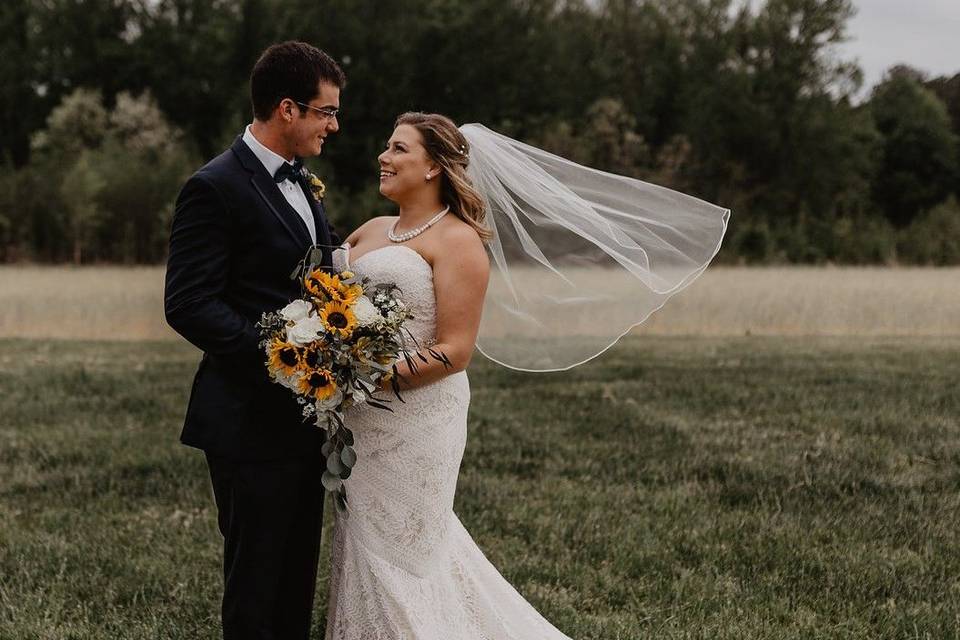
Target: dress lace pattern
403	566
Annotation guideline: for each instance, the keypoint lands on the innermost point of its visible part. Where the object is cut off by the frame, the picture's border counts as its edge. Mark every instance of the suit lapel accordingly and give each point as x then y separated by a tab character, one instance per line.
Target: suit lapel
319	215
324	239
264	184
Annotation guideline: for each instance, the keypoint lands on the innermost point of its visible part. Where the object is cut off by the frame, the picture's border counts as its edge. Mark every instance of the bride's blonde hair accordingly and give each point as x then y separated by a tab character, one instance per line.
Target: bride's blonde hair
448	148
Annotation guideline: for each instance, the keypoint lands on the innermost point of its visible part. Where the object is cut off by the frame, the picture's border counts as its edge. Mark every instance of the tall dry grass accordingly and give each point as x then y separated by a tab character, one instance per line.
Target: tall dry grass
871	301
120	303
109	303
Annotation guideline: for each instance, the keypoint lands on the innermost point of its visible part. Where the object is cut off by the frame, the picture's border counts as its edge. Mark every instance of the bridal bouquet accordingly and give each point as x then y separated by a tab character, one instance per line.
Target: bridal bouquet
333	348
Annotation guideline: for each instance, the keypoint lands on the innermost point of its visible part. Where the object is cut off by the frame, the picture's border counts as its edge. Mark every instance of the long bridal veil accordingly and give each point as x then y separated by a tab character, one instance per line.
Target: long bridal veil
578	256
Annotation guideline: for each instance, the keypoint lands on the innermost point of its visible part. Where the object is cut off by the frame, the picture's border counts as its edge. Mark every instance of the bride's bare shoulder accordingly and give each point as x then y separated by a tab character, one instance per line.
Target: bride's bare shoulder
373	224
460	241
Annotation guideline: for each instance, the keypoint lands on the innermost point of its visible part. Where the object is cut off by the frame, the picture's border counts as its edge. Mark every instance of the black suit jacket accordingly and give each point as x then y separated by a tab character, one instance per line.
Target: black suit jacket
234	242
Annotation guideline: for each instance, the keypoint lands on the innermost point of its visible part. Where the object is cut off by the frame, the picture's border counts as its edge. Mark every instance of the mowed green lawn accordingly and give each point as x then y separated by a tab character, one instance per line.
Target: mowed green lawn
672	488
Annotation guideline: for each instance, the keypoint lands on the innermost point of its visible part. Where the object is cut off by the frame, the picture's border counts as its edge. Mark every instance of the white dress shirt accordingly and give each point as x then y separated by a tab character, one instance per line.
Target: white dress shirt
291	191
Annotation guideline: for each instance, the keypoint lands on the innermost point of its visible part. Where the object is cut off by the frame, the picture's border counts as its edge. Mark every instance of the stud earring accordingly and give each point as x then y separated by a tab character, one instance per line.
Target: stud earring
428	177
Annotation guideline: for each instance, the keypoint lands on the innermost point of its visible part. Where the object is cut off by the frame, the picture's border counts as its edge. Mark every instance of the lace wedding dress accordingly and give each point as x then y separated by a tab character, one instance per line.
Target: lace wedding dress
404	568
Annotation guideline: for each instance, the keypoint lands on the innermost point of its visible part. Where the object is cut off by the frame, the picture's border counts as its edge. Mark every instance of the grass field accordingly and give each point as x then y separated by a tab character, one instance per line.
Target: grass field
122	303
708	488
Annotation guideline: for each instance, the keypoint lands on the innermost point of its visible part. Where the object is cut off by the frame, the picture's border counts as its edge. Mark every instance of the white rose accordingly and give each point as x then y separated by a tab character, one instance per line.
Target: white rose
296	310
329	403
290	382
365	312
305	331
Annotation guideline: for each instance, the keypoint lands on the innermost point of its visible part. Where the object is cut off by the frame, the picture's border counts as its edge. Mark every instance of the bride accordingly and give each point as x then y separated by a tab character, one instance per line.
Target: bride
404	567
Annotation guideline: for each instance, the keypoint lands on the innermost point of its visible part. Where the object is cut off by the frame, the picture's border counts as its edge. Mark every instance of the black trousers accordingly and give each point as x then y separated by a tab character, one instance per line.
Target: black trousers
270	514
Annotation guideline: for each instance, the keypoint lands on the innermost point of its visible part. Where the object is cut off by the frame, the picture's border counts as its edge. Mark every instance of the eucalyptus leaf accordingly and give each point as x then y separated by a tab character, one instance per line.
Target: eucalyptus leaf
334	465
326	448
348	456
347	437
330	482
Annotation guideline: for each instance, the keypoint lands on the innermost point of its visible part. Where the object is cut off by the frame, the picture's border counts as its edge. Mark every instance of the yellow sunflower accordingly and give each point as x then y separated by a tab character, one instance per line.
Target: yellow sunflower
348	294
311	356
329	287
284	357
338	318
318	384
321	284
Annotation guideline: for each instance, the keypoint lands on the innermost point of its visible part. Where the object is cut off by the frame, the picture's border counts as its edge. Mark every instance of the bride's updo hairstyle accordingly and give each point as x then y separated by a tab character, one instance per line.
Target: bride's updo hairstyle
448	148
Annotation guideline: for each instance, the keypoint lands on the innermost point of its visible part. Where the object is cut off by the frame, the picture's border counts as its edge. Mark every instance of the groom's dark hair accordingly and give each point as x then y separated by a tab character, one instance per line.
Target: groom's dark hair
290	70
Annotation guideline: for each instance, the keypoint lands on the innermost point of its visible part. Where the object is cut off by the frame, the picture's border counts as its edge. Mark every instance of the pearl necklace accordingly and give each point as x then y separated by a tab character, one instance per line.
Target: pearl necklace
413	233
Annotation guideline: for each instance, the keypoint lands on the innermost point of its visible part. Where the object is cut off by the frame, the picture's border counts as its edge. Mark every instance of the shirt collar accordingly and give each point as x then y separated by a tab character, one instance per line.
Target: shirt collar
270	160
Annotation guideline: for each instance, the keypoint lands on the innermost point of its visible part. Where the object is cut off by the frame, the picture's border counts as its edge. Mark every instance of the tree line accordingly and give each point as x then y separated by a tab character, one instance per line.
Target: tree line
106	106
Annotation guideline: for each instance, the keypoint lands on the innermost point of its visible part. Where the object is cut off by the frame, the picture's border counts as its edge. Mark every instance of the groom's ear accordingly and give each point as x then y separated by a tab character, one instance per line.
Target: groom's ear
286	111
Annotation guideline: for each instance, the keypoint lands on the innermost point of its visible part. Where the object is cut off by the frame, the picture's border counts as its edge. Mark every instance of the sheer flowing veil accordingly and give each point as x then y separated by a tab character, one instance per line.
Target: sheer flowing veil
578	256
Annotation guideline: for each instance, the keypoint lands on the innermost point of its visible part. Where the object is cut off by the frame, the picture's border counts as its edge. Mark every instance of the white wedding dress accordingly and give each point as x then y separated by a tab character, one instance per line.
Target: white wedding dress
404	568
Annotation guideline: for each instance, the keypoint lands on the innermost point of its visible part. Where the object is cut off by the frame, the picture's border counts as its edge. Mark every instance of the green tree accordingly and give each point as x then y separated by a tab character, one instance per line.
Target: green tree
766	109
933	238
80	191
948	90
79	122
117	172
144	162
21	109
195	57
606	139
61	154
48	49
919	162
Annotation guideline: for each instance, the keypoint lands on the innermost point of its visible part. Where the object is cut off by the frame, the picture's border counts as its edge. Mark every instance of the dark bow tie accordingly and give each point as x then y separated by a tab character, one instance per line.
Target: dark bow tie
289	172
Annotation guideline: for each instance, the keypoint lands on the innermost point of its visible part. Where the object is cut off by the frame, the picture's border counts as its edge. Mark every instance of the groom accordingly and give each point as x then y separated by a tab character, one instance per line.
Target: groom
241	225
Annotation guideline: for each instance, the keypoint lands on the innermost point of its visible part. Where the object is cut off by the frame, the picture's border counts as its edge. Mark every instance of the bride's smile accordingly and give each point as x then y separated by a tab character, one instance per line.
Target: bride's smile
405	165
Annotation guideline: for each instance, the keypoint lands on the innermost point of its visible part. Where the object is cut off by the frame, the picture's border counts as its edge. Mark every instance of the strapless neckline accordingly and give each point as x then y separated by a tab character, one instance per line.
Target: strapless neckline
350	262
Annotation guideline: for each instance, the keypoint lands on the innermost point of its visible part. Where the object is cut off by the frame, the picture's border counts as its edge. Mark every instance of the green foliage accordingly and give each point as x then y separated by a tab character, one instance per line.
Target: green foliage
752	241
862	239
117	173
76	124
920	152
744	104
22	110
196	55
934	237
607	139
80	191
777	488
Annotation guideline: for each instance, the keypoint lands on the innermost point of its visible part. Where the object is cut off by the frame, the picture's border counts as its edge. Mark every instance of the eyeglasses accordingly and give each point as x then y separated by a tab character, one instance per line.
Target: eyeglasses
326	113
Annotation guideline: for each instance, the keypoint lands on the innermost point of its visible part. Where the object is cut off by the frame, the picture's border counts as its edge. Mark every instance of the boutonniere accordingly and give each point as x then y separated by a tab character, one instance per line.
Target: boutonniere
317	188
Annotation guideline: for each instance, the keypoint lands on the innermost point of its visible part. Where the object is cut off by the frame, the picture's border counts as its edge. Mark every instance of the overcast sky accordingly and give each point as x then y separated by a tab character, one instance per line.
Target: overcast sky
921	33
924	34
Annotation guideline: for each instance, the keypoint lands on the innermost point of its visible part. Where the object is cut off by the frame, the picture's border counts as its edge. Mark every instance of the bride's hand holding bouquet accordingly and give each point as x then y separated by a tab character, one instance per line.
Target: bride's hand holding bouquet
337	346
